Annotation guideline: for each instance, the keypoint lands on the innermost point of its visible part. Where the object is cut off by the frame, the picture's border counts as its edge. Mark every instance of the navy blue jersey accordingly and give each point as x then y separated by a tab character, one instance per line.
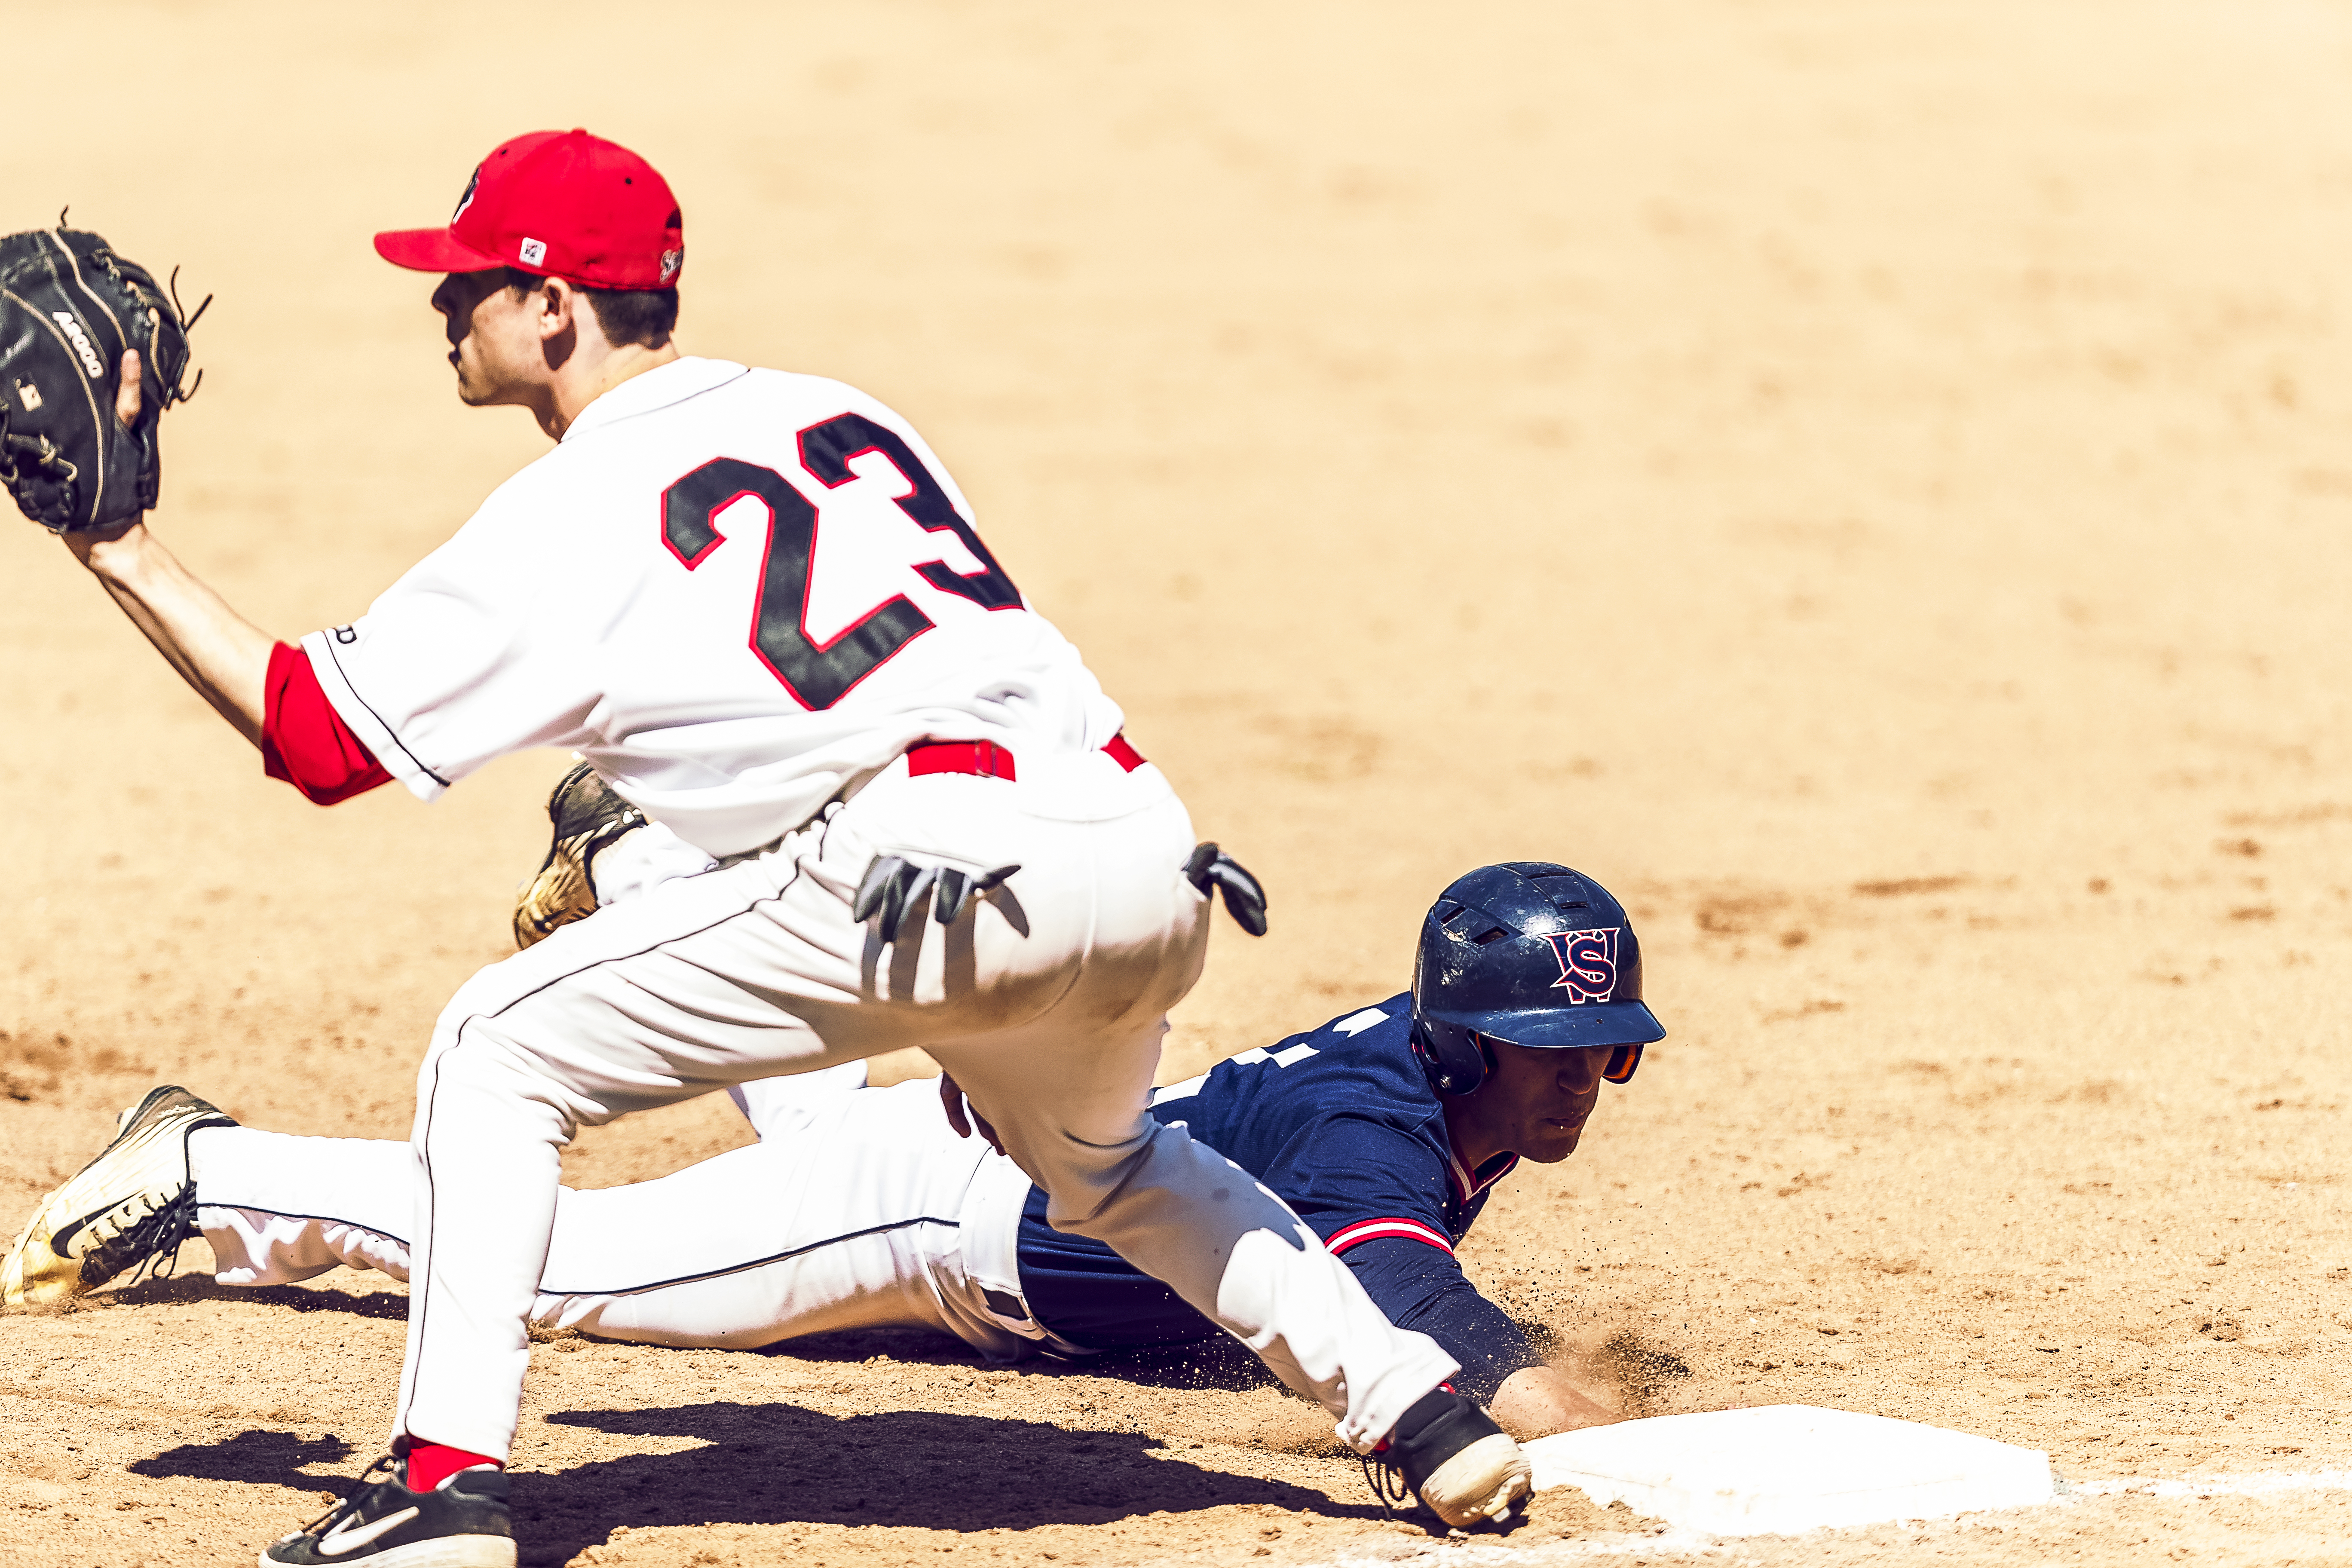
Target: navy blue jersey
1341	1122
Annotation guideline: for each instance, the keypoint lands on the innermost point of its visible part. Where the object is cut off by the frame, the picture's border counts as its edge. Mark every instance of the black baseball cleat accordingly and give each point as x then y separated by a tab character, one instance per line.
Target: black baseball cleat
1453	1457
127	1209
462	1523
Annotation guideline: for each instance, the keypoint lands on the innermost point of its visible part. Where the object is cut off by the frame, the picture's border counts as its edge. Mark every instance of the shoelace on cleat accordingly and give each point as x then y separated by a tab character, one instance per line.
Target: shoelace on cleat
139	1247
1387	1481
350	1501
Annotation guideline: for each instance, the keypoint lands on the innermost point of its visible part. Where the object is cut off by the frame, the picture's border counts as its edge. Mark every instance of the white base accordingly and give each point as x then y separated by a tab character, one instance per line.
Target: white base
1783	1469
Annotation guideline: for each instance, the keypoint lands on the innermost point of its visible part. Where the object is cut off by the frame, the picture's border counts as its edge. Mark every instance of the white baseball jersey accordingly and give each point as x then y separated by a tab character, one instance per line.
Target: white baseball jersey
737	593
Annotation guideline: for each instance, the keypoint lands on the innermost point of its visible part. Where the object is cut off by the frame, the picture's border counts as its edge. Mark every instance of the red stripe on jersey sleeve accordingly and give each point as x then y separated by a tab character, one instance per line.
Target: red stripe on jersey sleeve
304	740
1370	1230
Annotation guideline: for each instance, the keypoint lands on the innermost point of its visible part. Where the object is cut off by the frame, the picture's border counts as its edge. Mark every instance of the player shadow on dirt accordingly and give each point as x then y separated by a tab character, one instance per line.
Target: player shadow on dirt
1218	1364
174	1290
778	1463
271	1458
770	1464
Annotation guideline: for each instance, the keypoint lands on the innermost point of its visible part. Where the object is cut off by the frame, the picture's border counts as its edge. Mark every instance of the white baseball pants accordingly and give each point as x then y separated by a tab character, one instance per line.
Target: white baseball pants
860	1209
1046	1001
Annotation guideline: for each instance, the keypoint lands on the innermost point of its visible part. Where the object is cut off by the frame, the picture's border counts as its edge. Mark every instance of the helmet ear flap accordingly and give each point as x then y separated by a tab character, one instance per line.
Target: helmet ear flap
1622	1062
1453	1057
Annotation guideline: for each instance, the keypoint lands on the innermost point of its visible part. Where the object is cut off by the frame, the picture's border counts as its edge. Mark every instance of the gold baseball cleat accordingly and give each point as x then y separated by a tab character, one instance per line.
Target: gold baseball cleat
125	1210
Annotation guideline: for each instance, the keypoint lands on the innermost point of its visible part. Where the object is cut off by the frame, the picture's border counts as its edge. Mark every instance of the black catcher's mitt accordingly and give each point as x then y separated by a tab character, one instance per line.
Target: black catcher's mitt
68	308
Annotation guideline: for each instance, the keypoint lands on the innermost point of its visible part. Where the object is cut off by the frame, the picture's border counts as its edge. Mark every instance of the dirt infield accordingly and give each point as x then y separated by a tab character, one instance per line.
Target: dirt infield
1873	484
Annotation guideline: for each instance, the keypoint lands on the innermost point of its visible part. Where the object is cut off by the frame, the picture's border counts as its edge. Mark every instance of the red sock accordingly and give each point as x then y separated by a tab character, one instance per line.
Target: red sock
430	1464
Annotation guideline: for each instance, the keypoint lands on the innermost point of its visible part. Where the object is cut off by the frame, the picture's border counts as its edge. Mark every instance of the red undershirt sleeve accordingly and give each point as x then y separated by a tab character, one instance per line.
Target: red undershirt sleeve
304	740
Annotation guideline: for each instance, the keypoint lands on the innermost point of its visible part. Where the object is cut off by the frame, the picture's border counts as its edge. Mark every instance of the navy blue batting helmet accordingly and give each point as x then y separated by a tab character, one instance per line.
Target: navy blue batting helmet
1533	954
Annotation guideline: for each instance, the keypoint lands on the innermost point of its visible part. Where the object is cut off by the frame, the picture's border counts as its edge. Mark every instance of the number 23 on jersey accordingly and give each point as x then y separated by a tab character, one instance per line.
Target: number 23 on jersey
819	675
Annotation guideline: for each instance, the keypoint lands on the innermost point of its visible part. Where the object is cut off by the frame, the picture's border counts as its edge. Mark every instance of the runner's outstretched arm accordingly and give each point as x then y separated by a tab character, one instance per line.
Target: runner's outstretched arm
1421	1286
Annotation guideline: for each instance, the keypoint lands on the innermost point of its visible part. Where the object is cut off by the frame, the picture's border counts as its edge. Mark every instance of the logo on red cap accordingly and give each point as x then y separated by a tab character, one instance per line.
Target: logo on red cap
563	203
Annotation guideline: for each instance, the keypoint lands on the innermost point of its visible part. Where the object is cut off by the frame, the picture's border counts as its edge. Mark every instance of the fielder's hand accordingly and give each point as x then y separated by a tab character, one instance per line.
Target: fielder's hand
894	888
1211	867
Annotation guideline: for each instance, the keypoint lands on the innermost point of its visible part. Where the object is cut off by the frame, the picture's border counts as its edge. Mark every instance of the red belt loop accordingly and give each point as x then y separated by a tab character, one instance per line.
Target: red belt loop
986	759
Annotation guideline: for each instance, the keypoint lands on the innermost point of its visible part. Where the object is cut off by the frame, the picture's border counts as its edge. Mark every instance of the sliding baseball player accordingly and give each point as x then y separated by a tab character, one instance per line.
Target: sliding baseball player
1385	1129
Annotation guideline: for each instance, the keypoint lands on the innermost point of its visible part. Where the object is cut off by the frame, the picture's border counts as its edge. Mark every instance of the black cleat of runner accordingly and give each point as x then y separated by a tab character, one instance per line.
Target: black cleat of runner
1452	1456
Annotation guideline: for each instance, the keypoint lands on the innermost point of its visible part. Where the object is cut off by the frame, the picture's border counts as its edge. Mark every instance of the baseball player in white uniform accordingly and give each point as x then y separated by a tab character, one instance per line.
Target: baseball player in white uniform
756	603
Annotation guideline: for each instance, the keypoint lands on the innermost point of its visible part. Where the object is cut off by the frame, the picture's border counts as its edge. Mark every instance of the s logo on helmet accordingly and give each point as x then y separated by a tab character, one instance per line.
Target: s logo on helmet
1588	963
468	199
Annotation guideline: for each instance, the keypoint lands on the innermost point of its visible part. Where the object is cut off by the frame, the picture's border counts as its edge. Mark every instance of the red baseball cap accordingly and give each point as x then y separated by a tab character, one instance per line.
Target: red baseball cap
561	204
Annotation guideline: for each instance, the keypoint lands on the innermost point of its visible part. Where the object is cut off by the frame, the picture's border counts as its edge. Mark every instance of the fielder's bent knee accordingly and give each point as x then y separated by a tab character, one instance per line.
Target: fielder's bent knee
474	1072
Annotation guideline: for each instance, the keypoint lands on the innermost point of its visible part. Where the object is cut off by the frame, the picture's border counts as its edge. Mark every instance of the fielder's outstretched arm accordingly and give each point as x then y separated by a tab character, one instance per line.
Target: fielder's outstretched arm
220	653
